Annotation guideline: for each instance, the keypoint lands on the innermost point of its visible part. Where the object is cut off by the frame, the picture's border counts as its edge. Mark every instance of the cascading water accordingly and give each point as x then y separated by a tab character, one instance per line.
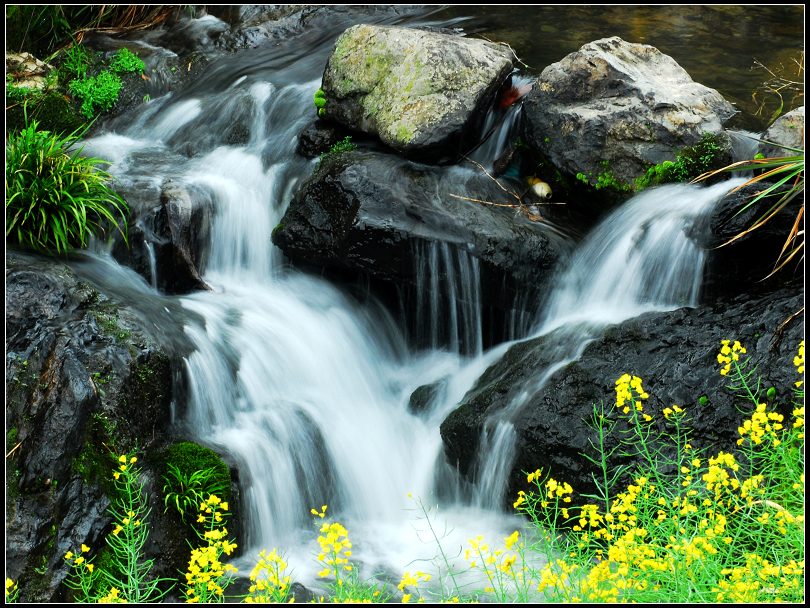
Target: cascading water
641	258
448	282
305	390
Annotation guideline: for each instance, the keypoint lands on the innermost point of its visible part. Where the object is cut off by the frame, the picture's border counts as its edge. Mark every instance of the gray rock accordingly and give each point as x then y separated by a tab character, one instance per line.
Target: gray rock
787	130
675	355
617	107
421	92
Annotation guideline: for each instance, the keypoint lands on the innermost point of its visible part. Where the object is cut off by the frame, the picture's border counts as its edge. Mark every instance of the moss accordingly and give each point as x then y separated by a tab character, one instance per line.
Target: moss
96	458
11	439
189	457
708	154
52	110
108	322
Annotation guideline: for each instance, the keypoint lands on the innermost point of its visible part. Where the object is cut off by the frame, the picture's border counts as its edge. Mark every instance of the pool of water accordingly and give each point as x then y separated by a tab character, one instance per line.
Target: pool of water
719	46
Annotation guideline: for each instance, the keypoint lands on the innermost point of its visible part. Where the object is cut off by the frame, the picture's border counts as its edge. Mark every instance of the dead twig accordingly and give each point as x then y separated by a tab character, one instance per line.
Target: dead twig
14	449
506	44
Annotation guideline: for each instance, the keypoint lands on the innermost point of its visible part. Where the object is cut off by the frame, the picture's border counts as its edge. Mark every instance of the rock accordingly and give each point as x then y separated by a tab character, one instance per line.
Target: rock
27	71
744	265
424	396
175	224
318	137
787	130
83	378
423	93
612	109
675	355
371	214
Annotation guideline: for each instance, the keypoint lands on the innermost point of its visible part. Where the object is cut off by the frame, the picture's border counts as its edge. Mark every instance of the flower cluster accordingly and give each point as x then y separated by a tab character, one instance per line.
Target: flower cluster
505	569
207	577
761	424
270	582
12	591
629	389
335	549
728	353
411	581
798	361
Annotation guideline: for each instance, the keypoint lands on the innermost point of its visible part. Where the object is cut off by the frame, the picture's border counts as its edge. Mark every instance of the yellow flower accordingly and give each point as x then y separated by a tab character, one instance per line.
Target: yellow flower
122	458
510	540
69	555
85	548
90	567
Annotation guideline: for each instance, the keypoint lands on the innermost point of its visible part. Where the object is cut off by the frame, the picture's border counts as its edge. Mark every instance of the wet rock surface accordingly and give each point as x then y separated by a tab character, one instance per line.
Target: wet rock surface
369	213
84	380
675	355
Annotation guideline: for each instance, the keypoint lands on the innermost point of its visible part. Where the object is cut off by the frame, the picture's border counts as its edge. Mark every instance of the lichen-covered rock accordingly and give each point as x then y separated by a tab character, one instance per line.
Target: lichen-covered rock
421	92
675	353
612	109
787	130
26	70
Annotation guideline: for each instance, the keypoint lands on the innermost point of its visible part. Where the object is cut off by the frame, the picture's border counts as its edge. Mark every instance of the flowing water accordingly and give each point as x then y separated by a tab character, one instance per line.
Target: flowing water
306	390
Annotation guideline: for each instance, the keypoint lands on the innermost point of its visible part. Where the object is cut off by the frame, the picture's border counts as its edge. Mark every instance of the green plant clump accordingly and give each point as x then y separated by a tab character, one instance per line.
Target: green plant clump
57	199
96	93
125	61
344	145
198	468
688	164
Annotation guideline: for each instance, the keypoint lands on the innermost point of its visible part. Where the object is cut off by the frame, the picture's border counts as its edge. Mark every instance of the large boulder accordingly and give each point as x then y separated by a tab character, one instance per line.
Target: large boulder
422	92
787	130
84	379
375	215
612	109
673	352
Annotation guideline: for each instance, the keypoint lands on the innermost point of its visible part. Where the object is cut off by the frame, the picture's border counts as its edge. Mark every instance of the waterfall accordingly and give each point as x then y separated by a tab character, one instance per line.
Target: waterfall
641	258
448	298
305	390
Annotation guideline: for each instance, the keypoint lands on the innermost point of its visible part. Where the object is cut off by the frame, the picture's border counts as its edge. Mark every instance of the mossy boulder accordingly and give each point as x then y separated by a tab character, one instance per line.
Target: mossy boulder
612	109
421	92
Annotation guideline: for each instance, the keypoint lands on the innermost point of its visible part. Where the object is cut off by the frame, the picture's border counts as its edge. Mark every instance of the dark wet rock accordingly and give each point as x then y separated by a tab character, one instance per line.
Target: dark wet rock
175	223
744	265
84	379
613	109
423	93
424	396
318	137
675	355
372	214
